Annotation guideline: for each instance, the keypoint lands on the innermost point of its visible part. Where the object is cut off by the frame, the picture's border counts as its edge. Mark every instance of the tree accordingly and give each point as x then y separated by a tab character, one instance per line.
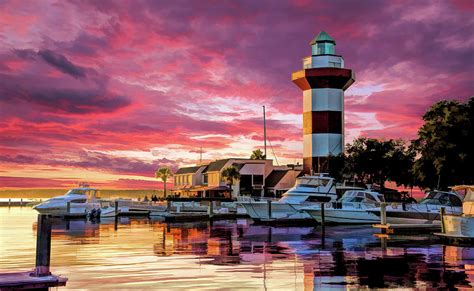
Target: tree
370	161
231	174
257	155
163	174
445	145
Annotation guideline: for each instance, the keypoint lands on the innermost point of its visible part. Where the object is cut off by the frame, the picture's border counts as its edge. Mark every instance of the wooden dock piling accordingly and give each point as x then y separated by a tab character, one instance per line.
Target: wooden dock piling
383	213
269	207
211	209
322	215
442	213
116	207
43	246
41	278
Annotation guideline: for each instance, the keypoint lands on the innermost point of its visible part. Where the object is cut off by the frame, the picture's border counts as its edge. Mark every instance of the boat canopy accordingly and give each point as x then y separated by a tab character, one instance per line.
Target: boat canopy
442	198
362	196
89	192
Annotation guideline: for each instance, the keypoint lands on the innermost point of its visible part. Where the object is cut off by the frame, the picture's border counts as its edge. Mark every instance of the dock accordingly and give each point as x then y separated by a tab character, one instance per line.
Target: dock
387	228
15	202
406	228
28	280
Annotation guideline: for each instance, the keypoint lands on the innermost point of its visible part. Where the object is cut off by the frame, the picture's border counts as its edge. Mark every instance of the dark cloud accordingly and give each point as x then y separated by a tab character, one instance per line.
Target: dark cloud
54	59
62	63
59	100
96	161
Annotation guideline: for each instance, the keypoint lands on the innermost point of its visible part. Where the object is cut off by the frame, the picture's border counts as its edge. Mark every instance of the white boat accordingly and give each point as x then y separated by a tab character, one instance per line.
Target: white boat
460	227
425	212
351	208
129	207
308	190
76	202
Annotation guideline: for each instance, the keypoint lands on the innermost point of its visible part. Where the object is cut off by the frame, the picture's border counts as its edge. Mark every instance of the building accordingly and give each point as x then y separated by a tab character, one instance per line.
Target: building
281	180
323	81
207	180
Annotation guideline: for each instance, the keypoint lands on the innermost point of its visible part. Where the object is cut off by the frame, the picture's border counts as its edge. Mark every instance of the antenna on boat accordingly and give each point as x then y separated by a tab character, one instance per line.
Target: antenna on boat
264	133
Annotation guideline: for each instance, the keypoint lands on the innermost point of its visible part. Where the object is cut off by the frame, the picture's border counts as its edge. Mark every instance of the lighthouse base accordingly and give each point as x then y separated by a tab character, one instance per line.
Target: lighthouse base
314	165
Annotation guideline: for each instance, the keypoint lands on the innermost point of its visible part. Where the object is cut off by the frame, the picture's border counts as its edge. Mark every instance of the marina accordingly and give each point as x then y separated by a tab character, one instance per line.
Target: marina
236	145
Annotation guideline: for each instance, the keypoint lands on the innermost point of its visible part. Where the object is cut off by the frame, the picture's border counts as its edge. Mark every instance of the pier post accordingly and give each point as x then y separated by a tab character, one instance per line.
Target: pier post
269	207
442	212
116	207
383	213
168	206
21	202
9	202
211	209
323	218
43	246
68	207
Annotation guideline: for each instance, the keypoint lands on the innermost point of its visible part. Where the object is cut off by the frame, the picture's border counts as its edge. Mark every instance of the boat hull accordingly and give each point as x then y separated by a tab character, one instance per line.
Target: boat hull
344	216
414	215
279	211
75	209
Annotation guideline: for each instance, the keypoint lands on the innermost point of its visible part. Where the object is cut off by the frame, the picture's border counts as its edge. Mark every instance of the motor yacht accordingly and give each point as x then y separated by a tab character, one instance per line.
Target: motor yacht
76	202
425	212
351	208
307	190
460	227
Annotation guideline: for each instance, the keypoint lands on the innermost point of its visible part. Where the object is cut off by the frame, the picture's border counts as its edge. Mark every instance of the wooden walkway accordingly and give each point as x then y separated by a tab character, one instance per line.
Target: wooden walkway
26	280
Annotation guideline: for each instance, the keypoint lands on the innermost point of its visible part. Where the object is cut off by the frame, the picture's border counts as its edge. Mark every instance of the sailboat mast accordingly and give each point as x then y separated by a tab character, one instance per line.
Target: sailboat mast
264	133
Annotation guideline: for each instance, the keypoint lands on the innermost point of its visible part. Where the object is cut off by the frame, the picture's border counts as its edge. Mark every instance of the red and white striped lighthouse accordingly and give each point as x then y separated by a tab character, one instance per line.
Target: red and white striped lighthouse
323	81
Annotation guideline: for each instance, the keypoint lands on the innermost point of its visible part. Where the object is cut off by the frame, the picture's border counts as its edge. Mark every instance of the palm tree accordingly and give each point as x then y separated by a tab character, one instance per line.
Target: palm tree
163	174
257	155
231	174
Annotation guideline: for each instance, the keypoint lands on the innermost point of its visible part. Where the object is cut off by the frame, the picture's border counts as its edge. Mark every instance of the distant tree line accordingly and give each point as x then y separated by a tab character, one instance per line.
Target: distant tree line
441	156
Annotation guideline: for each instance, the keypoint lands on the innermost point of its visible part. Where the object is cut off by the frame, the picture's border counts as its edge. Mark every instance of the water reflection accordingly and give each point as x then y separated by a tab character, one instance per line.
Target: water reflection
139	252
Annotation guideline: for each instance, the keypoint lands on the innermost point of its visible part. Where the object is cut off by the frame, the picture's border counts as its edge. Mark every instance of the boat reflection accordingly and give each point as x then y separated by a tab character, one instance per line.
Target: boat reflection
344	257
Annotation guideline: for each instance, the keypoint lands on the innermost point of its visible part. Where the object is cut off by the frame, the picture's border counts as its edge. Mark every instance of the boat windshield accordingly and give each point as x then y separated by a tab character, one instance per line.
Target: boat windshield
361	196
312	181
77	192
441	198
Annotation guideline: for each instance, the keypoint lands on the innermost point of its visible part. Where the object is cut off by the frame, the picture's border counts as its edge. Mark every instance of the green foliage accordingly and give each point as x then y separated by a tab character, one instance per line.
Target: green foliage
230	174
163	174
445	145
257	155
371	161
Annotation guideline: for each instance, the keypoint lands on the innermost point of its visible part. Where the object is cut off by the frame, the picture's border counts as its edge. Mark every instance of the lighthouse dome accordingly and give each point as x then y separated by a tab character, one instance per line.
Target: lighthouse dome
323	44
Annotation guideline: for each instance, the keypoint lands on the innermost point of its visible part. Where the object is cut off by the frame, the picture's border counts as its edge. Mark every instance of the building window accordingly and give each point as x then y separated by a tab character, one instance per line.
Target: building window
204	179
257	180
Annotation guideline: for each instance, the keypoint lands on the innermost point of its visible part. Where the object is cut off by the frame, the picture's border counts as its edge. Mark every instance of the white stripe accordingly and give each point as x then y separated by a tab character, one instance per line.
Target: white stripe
324	99
322	144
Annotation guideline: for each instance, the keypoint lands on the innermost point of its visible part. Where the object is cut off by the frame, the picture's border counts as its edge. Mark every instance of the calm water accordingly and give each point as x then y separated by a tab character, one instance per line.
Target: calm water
149	254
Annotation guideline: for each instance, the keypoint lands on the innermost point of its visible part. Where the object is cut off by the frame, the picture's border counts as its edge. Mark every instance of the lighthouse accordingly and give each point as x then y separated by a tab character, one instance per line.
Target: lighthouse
323	81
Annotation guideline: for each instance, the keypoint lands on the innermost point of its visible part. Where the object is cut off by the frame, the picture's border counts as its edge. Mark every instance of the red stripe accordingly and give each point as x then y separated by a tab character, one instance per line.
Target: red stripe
336	78
323	122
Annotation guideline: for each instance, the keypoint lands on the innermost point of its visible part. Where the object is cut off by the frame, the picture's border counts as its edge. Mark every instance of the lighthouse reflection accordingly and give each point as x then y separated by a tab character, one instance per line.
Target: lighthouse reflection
346	257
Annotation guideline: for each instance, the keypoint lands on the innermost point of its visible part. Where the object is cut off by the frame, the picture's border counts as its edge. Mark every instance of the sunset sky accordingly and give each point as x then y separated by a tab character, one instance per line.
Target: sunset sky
108	91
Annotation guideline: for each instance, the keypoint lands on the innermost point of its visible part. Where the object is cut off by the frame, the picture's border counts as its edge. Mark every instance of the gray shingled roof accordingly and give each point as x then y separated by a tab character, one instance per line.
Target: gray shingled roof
275	177
217	165
187	170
